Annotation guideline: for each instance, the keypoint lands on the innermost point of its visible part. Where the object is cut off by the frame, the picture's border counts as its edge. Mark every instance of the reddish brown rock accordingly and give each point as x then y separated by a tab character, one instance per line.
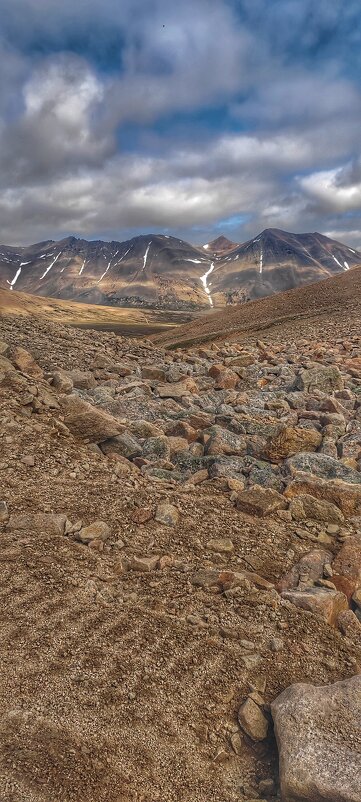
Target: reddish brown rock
308	569
26	363
177	389
260	501
290	441
350	626
145	564
182	429
225	378
306	506
347	566
324	602
344	495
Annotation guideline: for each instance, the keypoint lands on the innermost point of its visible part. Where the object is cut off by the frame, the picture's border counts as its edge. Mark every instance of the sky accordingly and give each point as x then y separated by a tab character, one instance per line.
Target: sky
194	118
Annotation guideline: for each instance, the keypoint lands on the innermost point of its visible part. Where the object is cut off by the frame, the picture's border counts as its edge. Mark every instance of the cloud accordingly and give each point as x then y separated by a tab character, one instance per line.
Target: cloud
99	105
336	190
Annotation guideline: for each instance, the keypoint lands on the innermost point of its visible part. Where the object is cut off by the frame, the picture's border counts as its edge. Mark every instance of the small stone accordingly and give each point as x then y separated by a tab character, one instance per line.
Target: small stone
332	529
28	460
141	515
276	645
4	513
222	756
237	743
167	514
221	545
144	563
98	530
253	721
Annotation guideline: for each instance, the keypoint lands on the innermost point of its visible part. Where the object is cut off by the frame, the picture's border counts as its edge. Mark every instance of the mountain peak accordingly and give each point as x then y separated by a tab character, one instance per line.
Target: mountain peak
220	245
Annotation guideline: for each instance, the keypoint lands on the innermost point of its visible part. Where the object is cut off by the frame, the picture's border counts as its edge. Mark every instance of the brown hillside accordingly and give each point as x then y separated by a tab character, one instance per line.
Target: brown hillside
322	304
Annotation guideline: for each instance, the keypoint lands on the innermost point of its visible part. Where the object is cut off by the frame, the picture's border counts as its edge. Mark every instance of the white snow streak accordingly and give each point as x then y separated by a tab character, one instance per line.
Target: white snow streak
17	274
352	251
347	266
117	263
24	263
123	257
108	266
261	261
206	247
82	267
196	261
51	265
146	254
336	260
204	282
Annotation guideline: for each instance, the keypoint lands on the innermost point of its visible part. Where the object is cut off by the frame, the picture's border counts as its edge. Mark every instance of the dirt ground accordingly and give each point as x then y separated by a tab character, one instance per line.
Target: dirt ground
123	686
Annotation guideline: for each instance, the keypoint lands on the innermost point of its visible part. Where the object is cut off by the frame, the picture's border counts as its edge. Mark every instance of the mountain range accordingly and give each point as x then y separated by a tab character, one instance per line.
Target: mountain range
163	272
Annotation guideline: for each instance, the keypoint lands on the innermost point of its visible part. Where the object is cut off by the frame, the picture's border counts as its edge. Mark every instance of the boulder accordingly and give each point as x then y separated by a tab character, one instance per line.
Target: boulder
153	373
182	429
326	378
177	444
319	741
178	389
124	445
222	545
309	568
260	501
82	379
88	422
225	378
306	506
347	566
62	381
291	441
345	496
324	602
144	429
322	466
26	363
156	448
222	441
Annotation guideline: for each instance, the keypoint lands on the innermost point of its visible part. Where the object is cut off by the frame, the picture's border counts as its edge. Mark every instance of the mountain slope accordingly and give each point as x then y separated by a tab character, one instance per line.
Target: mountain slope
275	261
318	306
162	272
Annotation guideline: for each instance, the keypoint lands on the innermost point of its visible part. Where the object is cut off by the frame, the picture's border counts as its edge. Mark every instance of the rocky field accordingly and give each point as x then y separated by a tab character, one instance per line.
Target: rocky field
181	566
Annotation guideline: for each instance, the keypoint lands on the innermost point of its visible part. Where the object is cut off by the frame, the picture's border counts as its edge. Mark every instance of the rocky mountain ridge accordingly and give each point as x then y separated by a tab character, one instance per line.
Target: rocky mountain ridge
163	272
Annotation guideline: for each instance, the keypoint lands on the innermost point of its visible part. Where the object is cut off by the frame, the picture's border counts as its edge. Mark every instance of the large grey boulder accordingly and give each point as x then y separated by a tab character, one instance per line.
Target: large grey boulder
326	378
318	732
322	466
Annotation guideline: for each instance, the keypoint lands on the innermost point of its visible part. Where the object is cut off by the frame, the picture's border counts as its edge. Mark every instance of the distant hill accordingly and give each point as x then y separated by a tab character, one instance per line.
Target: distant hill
163	272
